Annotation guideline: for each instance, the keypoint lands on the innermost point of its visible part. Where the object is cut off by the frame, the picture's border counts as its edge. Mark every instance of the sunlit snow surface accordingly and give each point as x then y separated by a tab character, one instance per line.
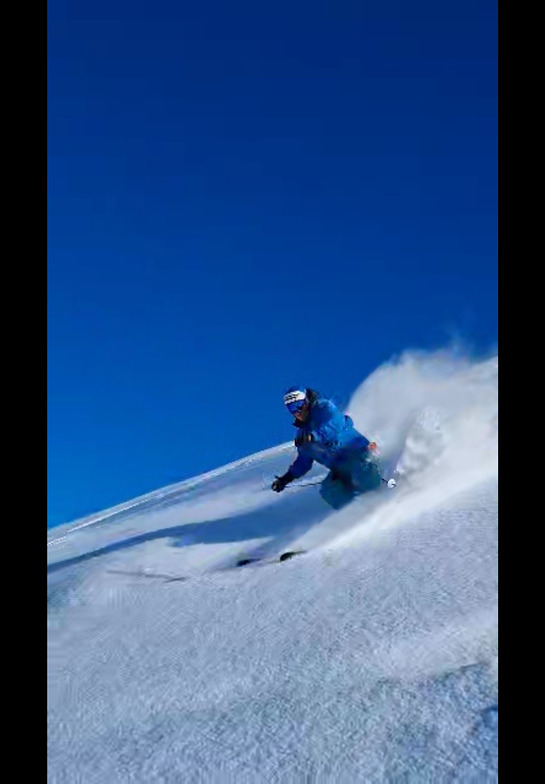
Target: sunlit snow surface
370	658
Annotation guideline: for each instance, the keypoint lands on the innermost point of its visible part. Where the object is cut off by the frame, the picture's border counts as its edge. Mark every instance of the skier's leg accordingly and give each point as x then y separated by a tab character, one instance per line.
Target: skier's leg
335	492
365	473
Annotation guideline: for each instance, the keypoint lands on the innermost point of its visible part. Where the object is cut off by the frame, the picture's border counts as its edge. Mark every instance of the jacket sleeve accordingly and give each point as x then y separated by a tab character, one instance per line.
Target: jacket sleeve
300	466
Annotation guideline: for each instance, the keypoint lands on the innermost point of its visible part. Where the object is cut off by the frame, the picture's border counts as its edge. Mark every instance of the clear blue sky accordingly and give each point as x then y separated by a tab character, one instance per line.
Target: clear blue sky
244	196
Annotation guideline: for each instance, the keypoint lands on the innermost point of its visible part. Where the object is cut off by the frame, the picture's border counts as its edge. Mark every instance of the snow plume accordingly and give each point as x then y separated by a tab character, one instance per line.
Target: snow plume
435	408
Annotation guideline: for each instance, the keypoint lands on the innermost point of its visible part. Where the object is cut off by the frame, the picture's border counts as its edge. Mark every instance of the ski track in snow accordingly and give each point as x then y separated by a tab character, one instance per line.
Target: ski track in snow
372	657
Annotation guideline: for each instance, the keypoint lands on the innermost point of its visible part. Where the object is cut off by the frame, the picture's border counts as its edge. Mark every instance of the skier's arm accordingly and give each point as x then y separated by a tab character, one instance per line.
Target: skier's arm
298	468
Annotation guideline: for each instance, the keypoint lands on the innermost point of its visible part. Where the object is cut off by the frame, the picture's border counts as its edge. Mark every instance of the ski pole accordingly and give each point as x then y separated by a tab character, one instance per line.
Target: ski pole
302	484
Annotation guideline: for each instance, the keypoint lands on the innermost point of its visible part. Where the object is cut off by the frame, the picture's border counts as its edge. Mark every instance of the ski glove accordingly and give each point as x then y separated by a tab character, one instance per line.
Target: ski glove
280	482
303	438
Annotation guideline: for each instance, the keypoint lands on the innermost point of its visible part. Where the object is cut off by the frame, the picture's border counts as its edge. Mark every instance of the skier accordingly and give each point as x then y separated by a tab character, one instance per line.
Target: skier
329	437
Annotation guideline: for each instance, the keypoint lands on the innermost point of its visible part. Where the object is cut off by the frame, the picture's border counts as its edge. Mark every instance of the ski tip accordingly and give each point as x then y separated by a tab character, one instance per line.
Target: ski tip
290	554
246	561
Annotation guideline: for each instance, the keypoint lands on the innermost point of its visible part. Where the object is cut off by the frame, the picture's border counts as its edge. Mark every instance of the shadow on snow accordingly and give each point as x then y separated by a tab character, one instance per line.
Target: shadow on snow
279	521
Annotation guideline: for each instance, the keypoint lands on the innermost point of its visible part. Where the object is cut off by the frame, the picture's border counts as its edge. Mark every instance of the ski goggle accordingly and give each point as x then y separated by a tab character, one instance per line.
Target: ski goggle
294	408
294	401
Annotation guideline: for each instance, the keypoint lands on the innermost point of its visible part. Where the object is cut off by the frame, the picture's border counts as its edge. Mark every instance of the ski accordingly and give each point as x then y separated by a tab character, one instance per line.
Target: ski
285	556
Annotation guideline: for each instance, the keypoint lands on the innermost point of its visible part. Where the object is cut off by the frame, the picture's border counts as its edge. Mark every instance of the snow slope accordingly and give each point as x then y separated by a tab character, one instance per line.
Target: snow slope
372	657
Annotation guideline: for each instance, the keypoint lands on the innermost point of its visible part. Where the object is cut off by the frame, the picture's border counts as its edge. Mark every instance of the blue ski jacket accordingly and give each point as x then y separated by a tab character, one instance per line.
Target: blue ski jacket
328	436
